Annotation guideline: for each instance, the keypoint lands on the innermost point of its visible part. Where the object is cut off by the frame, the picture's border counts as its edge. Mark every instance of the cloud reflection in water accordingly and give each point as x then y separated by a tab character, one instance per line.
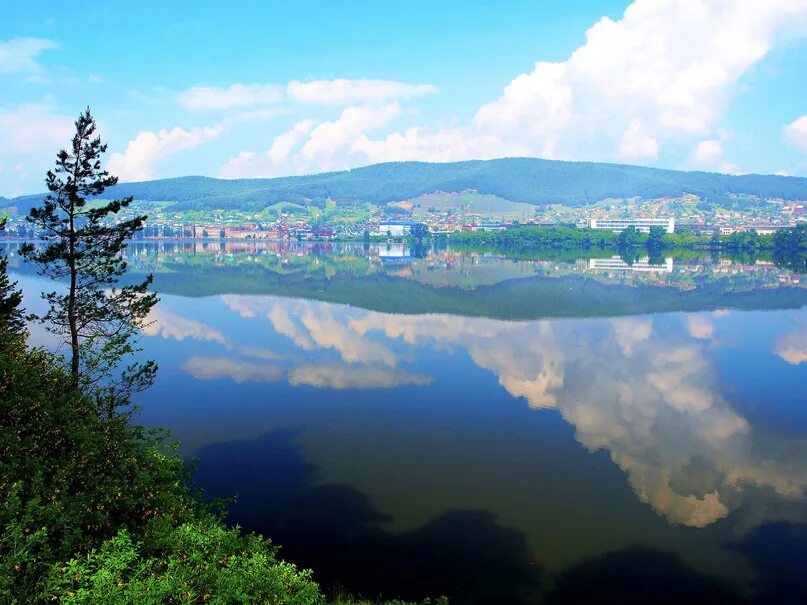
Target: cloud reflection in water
652	401
650	397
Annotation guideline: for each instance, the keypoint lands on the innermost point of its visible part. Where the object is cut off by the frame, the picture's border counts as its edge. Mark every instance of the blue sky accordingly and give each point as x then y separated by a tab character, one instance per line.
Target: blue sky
277	88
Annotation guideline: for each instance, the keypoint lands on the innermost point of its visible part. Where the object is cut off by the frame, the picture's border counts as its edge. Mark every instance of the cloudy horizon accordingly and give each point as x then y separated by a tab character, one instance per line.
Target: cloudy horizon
708	85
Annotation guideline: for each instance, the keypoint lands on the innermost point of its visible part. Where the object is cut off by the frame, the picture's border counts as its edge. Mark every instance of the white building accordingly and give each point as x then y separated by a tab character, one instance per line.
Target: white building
392	251
395	228
615	263
641	224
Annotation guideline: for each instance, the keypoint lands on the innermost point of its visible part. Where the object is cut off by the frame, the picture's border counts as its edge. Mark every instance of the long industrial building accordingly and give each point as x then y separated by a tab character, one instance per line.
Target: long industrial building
615	263
641	224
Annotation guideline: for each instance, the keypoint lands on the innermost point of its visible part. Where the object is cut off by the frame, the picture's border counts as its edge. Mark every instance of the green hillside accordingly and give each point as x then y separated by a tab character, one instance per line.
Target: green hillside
527	180
472	201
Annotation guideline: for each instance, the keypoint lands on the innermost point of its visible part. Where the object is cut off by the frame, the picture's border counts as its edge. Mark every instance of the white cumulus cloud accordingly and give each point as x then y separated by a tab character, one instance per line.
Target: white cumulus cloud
30	128
662	74
32	134
640	68
355	91
327	138
655	80
275	161
708	151
237	95
315	145
284	143
240	166
796	133
19	54
636	145
148	148
440	145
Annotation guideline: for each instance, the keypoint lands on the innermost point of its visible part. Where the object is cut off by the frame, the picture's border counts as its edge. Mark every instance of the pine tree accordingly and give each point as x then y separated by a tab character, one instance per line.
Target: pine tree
83	244
11	317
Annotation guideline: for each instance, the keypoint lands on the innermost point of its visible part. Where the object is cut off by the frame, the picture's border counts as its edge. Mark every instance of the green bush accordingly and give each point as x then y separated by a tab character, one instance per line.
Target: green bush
537	237
112	500
198	562
68	479
790	248
99	511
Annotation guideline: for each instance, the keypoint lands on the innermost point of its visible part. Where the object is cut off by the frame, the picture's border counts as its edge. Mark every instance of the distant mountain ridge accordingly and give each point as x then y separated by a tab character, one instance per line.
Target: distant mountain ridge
529	180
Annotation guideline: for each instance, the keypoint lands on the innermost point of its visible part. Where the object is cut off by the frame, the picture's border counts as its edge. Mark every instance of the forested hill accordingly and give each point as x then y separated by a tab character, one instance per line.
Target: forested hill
529	180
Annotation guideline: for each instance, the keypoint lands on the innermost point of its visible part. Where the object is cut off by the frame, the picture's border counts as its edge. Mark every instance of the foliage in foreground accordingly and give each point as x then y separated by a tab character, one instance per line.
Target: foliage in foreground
196	562
97	510
90	504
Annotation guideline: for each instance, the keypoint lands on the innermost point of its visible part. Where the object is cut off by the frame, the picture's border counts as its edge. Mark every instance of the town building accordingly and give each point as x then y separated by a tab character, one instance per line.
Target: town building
760	229
616	263
641	224
396	228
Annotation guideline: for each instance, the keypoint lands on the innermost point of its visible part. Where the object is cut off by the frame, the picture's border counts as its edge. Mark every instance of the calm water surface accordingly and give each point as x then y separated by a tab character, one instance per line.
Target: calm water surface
498	431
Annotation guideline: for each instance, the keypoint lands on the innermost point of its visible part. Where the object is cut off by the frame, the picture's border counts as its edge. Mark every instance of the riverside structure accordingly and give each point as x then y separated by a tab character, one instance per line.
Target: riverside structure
641	224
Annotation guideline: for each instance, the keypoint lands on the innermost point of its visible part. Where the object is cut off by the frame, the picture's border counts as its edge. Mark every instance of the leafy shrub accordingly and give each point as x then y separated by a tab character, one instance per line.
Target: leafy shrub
197	562
68	479
72	483
99	511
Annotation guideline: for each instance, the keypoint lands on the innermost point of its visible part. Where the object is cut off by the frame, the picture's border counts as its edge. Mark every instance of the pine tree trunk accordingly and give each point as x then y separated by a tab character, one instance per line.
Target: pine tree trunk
73	332
71	308
72	320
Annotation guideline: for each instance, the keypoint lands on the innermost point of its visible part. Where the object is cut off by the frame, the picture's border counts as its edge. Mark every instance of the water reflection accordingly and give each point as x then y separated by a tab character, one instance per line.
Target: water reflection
170	325
340	376
210	368
792	347
336	530
642	389
423	425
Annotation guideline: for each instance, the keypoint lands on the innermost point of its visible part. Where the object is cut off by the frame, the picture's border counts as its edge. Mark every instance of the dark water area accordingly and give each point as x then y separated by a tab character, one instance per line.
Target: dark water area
575	430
